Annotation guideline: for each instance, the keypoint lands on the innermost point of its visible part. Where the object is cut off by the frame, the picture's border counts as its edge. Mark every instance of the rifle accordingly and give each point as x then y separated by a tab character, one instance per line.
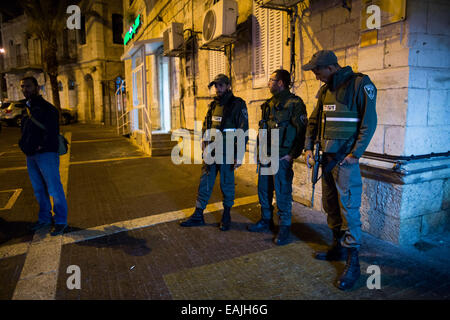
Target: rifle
262	125
315	174
317	157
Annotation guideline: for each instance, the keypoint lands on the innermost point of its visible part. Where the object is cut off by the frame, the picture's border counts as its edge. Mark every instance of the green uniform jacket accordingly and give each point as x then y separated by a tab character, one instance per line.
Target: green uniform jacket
235	114
342	86
287	112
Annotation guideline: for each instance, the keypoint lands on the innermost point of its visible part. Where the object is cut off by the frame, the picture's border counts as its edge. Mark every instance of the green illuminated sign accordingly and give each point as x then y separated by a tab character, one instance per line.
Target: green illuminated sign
129	35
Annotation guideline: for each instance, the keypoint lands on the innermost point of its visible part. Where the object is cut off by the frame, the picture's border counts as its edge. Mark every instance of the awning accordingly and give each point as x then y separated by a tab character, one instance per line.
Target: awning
151	45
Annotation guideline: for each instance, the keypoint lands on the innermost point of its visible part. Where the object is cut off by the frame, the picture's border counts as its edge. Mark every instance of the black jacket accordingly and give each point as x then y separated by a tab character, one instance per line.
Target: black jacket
34	139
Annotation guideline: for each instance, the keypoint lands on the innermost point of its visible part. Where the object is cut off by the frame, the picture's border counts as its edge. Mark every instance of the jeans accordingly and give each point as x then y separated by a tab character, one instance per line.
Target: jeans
43	169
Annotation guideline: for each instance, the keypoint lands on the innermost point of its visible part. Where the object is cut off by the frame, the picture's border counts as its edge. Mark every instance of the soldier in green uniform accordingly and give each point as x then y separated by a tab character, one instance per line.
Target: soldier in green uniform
226	113
346	117
284	112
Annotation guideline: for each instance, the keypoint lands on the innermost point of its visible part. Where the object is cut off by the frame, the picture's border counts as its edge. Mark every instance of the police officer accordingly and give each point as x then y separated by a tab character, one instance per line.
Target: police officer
285	112
226	113
346	117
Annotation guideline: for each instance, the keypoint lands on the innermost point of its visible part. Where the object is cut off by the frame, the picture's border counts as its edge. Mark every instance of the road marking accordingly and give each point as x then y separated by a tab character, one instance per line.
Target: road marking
121	226
39	274
99	140
2	170
13	198
108	160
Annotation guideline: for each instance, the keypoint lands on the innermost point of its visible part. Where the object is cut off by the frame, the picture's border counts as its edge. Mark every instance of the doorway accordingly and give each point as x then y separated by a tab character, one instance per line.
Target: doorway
89	111
164	94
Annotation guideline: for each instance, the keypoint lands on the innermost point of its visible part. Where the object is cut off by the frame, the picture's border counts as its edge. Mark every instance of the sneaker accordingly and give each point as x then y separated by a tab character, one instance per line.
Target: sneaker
59	229
40	225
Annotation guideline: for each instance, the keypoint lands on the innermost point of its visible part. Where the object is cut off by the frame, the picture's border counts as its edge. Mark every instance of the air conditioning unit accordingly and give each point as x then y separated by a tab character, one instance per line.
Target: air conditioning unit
219	23
280	3
173	39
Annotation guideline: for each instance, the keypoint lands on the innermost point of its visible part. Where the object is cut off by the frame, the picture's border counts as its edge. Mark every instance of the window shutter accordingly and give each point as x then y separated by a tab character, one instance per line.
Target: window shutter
216	64
267	44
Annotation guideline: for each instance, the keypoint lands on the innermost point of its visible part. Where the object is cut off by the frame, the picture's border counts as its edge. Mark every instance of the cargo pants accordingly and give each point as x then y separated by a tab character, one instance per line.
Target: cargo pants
341	199
281	183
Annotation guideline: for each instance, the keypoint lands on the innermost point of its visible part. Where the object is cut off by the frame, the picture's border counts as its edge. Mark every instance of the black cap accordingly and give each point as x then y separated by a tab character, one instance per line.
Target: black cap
321	58
220	78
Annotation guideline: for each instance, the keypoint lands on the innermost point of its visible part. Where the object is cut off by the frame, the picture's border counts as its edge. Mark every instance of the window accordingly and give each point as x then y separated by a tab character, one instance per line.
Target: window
71	85
82	31
60	86
216	64
117	28
267	44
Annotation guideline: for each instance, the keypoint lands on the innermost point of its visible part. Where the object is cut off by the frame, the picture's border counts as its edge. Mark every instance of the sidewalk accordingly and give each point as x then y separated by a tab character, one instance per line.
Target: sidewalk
124	210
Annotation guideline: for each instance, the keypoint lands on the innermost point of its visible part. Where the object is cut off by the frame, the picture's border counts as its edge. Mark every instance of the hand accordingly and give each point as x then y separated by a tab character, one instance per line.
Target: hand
236	165
287	157
308	158
349	159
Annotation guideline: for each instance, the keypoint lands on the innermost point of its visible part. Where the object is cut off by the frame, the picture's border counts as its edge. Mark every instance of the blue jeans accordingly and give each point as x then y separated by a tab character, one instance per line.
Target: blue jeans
43	169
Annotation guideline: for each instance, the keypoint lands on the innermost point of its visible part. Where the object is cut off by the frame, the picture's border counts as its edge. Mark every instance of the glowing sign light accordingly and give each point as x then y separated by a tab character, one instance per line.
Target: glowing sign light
129	35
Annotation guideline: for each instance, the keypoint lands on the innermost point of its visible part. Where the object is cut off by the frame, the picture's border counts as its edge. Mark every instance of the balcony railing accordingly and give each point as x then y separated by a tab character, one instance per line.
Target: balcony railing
22	61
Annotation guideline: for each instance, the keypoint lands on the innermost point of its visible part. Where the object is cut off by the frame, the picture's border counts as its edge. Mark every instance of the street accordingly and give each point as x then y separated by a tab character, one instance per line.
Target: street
124	211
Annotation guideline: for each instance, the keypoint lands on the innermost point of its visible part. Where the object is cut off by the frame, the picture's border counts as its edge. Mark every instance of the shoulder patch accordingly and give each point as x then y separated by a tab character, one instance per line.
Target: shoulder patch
370	91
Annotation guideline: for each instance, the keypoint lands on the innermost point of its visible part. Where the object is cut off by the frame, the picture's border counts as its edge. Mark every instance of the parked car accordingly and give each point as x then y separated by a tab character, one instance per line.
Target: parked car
68	116
12	113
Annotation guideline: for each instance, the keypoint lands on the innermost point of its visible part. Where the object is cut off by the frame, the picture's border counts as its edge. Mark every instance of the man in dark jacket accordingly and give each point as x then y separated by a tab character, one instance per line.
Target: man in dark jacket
228	115
39	142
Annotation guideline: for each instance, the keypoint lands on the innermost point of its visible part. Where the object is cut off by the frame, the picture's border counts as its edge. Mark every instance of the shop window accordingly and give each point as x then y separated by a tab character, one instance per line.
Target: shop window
267	44
117	28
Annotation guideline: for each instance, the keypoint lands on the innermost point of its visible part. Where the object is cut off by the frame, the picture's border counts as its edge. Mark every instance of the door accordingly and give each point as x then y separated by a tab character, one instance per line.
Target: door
89	113
164	94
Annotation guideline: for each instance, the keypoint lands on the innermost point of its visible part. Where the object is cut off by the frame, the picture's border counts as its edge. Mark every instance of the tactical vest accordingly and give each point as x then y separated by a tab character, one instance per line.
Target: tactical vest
221	121
279	117
340	119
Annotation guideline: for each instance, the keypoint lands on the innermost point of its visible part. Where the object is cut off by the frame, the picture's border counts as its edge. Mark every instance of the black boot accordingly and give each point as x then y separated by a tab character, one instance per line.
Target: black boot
351	272
226	219
195	220
262	226
283	236
336	252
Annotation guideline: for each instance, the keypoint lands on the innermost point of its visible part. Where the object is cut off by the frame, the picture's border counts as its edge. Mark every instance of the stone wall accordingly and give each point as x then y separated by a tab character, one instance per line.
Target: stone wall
411	103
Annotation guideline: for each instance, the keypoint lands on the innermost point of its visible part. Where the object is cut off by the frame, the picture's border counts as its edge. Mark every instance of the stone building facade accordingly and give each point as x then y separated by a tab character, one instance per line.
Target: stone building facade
89	62
404	198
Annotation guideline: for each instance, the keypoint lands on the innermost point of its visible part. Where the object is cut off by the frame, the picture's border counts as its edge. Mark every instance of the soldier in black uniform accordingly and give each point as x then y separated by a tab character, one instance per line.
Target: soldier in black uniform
346	117
226	113
284	112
